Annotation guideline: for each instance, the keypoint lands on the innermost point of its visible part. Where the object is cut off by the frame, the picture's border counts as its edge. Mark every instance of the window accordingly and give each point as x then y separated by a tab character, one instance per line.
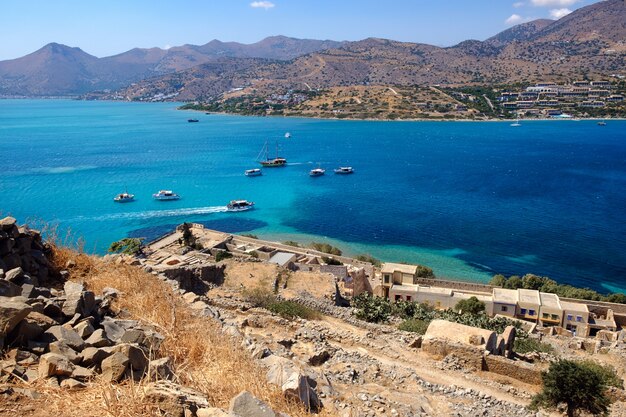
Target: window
570	317
555	317
408	298
504	308
386	278
545	316
523	311
398	297
532	312
579	318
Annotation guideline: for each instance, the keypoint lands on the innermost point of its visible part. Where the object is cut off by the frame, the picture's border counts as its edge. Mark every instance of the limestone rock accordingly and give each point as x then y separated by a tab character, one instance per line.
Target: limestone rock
98	339
92	356
84	329
138	359
68	336
72	384
160	369
319	357
73	294
7	223
53	364
62	348
174	397
14	275
114	366
12	311
82	373
246	404
300	387
8	289
212	412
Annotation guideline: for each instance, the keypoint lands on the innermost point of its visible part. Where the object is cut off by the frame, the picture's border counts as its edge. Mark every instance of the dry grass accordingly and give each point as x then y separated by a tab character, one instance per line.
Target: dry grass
204	358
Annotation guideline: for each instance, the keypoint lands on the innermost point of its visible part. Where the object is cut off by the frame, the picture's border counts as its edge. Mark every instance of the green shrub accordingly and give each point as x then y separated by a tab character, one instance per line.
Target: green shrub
291	310
291	243
250	235
425	272
371	308
331	261
528	345
127	246
472	305
259	296
607	373
369	259
326	248
414	326
221	255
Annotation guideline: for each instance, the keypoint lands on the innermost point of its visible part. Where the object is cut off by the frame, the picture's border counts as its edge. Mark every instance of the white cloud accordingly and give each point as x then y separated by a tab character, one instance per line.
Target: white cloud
518	4
553	3
514	19
262	5
559	13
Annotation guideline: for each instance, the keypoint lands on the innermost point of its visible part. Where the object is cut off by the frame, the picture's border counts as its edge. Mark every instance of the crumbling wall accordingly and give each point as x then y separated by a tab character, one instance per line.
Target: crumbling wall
522	371
471	356
197	279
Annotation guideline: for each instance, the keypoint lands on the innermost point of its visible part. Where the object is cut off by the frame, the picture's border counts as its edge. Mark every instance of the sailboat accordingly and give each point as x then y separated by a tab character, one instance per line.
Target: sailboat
516	124
287	135
268	162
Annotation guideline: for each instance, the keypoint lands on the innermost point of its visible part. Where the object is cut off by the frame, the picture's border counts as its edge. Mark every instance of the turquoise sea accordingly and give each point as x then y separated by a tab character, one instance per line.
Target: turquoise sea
468	199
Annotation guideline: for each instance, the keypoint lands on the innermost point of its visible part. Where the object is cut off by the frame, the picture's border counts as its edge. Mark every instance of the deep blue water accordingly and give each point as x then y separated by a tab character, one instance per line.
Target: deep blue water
469	199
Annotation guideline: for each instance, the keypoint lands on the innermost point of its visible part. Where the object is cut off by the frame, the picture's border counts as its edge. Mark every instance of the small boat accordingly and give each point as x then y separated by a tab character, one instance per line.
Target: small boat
165	195
124	198
239	205
344	170
516	124
317	172
271	162
287	135
193	120
253	172
601	123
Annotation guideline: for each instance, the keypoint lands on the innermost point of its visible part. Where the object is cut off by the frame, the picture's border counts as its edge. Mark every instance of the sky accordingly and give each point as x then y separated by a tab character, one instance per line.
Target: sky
108	27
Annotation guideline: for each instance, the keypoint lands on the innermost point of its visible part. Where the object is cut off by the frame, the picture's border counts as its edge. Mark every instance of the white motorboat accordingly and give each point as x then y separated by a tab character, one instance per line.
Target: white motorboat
253	172
317	172
344	170
165	195
239	205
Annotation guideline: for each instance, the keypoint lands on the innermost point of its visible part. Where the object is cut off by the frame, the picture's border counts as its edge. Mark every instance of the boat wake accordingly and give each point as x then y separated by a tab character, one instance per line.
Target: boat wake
153	214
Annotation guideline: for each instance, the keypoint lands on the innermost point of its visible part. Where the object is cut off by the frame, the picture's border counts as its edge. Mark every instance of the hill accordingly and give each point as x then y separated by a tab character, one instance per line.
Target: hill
588	42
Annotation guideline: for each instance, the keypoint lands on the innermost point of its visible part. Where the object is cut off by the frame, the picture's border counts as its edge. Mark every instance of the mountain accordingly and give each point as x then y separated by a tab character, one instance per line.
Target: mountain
519	33
591	41
61	70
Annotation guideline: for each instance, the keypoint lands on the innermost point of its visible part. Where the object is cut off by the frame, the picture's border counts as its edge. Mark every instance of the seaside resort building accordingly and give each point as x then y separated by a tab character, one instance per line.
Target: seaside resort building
400	282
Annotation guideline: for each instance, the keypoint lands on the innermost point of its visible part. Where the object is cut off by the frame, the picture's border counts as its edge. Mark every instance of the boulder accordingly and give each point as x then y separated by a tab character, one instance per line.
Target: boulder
53	310
9	289
212	412
12	311
72	384
65	335
61	348
7	223
15	275
81	373
246	404
300	387
84	329
92	356
114	367
74	298
53	364
173	398
509	337
98	339
160	369
138	360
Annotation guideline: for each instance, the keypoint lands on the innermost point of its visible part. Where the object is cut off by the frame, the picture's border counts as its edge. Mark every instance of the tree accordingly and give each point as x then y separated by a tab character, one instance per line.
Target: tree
188	237
514	282
532	282
472	305
371	308
578	385
498	281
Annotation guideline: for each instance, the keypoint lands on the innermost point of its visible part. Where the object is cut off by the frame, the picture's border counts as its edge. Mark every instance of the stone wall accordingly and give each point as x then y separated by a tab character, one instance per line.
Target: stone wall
471	356
522	371
460	333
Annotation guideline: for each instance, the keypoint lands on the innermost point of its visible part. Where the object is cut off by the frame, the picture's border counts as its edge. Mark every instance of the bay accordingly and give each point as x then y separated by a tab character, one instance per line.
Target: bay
469	199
